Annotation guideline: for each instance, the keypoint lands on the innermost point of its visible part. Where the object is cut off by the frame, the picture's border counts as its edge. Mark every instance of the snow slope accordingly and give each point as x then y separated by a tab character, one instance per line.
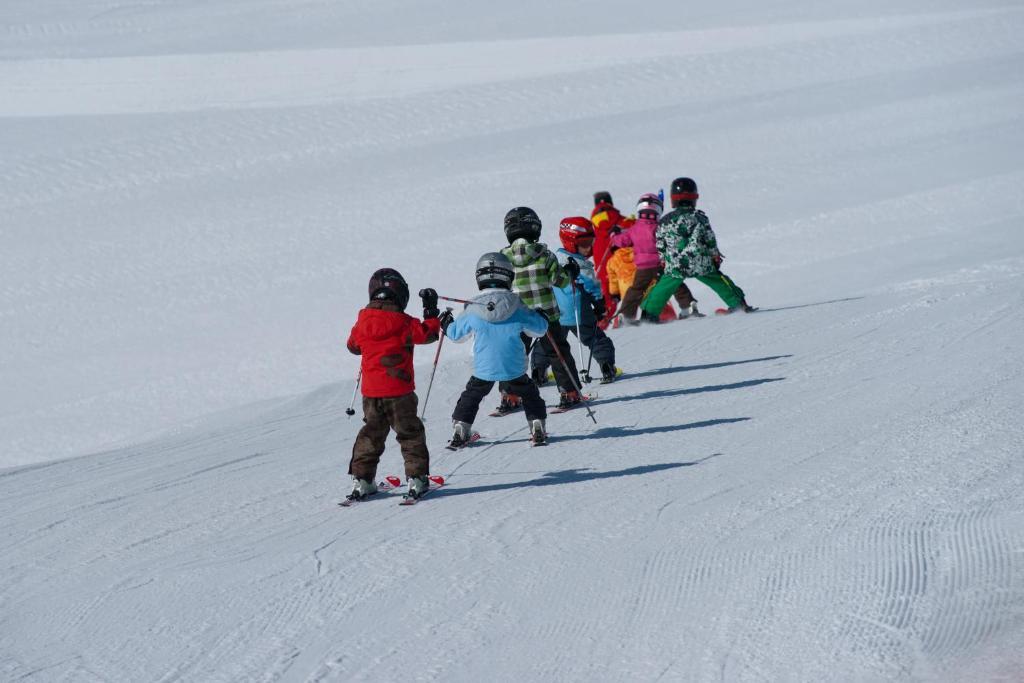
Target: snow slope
194	194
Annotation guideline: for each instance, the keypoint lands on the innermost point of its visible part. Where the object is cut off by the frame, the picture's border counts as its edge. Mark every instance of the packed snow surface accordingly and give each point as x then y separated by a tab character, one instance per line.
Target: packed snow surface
194	194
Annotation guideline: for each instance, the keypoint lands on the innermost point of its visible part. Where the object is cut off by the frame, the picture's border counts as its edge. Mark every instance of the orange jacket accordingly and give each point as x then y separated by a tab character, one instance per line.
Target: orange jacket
621	271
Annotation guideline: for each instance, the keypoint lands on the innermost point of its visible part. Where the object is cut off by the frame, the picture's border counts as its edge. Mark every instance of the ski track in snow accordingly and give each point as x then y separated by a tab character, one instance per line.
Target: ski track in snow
828	489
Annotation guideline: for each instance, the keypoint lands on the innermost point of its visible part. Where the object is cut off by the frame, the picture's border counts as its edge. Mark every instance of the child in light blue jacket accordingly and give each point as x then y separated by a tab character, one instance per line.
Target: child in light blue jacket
500	324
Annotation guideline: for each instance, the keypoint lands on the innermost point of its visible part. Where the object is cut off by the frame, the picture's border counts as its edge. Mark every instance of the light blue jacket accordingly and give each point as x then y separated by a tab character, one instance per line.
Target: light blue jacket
495	318
586	282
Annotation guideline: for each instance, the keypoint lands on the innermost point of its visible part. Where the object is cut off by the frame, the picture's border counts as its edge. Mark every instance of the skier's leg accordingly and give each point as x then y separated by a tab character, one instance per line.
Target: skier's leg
563	378
538	365
533	404
412	437
370	441
600	344
659	296
635	293
684	297
725	288
469	403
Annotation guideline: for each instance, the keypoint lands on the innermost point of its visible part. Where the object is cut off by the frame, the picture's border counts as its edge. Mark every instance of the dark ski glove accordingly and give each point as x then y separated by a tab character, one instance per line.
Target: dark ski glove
615	230
430	309
572	268
446	319
599	309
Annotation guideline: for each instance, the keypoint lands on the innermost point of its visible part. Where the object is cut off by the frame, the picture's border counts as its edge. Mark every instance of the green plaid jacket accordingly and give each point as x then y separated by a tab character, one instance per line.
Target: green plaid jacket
686	243
537	272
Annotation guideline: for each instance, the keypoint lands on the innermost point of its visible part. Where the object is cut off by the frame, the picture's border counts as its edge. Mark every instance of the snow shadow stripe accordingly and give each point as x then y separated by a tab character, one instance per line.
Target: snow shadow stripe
561	477
668	393
706	366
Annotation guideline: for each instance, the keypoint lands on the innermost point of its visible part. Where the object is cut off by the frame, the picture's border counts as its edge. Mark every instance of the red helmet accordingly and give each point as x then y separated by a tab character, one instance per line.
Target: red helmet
574	229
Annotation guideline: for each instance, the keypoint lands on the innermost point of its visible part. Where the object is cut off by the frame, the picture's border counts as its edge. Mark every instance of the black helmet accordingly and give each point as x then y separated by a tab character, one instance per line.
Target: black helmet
522	221
388	284
603	196
494	271
684	191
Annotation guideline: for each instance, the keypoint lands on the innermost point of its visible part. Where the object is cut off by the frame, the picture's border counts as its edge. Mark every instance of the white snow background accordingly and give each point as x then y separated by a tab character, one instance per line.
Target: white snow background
193	194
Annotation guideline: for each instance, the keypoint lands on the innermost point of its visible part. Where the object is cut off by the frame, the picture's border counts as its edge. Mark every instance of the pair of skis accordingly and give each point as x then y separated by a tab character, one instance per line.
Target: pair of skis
392	483
554	410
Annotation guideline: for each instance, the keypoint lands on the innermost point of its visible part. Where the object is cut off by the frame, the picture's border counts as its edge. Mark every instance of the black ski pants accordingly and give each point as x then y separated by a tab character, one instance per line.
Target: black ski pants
566	381
477	389
592	336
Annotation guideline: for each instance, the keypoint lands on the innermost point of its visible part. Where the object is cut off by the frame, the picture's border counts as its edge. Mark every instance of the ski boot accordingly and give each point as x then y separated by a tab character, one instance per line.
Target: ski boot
362	489
538	435
608	373
569	399
690	312
744	306
649	318
509	403
539	376
417	487
463	432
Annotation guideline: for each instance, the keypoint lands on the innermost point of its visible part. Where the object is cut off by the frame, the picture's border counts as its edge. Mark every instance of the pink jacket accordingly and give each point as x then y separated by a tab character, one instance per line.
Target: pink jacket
641	238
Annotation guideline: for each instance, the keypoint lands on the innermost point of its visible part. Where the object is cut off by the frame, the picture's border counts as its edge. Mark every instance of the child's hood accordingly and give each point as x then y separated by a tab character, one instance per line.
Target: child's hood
495	305
381	323
523	253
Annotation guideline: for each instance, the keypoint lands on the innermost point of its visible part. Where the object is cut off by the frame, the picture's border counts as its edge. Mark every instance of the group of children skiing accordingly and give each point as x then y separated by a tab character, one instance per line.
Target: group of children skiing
530	301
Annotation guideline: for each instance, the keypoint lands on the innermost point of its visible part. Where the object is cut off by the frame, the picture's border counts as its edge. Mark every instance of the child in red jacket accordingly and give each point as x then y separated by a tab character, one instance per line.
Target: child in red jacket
384	336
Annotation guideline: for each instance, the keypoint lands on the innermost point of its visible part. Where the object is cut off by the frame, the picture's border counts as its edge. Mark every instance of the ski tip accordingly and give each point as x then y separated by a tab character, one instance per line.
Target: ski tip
436	479
394	481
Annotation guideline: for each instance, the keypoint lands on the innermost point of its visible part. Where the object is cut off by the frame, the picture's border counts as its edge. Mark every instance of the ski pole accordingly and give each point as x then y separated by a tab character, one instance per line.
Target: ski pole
604	259
489	304
590	356
433	370
565	366
577	303
350	411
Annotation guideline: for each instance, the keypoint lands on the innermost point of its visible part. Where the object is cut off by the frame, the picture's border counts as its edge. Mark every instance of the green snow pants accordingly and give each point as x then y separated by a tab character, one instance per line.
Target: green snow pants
720	283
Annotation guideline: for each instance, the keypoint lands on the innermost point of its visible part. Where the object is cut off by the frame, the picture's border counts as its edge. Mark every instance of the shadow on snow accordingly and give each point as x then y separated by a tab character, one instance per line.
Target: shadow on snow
667	393
818	303
620	432
706	366
572	476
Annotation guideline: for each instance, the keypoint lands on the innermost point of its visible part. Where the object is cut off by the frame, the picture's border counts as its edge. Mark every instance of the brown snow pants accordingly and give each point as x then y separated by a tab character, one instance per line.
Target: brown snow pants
380	416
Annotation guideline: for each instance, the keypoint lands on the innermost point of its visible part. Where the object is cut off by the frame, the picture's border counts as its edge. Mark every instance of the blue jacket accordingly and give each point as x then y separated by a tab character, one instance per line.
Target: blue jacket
588	289
498	352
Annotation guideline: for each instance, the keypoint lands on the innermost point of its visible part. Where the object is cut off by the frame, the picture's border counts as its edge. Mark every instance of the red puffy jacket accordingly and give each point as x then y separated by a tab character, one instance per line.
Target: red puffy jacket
384	336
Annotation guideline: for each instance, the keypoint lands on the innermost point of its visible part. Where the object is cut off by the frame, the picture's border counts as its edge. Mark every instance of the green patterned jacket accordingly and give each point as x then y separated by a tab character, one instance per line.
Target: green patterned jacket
537	272
687	243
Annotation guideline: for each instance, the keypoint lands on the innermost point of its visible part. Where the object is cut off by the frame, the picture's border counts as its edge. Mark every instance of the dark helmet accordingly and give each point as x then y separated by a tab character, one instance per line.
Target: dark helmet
388	284
522	221
494	271
603	196
684	191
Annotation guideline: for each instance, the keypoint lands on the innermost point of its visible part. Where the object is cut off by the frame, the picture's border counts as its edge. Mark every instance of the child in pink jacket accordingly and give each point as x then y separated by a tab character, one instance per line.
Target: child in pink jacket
646	258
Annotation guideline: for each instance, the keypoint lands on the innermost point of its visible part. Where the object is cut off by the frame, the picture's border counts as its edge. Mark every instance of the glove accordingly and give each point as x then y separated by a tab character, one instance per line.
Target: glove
429	297
599	309
615	230
717	260
661	269
572	268
445	319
